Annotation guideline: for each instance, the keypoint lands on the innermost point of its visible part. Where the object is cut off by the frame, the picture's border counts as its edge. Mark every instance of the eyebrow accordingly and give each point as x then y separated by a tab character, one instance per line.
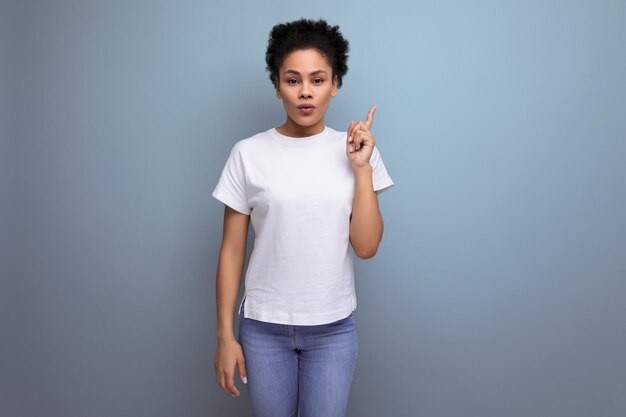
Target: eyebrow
291	71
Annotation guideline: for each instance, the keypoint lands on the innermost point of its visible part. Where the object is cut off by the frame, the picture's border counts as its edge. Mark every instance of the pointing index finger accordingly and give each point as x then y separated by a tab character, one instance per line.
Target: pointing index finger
370	117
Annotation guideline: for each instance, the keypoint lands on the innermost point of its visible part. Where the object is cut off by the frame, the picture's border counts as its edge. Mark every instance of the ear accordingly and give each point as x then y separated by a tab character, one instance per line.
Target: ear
277	87
333	92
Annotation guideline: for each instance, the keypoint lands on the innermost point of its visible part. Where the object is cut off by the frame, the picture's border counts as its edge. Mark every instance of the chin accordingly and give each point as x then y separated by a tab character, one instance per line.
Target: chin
305	121
309	122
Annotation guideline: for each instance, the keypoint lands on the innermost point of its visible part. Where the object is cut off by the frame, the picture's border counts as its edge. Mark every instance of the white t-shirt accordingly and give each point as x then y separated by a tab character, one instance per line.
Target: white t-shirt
299	194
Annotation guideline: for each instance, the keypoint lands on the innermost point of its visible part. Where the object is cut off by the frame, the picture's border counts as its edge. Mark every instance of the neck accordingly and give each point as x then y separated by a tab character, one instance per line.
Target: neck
291	128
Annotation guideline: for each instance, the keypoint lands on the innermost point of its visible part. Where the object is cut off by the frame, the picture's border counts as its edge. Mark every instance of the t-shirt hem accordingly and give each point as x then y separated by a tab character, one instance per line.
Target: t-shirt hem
300	319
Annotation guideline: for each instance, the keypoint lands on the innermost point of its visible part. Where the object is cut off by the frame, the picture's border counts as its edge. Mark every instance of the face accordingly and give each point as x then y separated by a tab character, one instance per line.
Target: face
305	86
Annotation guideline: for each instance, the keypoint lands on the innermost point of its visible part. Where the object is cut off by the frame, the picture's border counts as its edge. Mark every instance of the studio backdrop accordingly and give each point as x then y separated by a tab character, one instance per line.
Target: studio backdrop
498	288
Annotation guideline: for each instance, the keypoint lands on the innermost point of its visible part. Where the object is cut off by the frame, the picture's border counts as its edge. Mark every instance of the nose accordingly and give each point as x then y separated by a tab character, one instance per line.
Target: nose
305	91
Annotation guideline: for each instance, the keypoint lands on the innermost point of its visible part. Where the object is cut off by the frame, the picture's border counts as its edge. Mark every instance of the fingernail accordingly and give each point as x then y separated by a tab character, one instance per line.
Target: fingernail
351	148
233	395
245	379
349	138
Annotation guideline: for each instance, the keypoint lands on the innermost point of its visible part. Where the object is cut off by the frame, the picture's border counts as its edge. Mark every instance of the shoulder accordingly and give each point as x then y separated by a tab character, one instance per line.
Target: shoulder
252	143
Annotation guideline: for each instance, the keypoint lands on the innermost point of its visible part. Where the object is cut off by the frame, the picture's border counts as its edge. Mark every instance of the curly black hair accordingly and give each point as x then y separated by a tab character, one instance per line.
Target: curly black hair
304	33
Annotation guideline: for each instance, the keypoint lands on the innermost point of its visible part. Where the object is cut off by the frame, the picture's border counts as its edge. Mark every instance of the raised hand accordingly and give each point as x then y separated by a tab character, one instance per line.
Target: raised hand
360	141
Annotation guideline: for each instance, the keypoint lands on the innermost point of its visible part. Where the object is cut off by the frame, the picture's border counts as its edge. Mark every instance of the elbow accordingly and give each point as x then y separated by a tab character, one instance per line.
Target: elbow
366	253
365	247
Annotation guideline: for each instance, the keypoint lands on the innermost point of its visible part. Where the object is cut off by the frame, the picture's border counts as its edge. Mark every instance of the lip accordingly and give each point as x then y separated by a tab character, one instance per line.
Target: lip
306	108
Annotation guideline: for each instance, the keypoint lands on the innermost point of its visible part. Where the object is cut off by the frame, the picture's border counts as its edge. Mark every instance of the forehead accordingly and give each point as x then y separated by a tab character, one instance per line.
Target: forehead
309	59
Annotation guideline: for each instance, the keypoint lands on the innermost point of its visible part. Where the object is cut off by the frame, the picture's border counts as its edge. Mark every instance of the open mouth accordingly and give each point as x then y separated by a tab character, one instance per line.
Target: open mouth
306	108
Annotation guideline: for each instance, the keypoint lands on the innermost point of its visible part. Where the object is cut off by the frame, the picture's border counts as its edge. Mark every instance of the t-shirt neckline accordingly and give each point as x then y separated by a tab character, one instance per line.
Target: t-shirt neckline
306	140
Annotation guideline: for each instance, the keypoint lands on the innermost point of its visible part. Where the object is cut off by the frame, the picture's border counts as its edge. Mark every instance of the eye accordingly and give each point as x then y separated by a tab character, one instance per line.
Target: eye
292	81
318	81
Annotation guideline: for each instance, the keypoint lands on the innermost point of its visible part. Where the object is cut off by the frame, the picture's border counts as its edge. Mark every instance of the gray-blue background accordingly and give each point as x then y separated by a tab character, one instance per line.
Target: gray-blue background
499	286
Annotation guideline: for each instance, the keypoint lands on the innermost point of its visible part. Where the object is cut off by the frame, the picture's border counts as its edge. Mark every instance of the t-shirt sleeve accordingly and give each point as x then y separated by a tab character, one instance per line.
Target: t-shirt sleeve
380	178
231	186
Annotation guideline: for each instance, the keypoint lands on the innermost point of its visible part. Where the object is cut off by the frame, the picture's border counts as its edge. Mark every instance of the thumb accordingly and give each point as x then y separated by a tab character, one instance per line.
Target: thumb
241	364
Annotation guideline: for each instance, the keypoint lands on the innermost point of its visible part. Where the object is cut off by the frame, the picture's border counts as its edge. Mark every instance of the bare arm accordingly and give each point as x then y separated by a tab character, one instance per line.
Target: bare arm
228	281
366	221
229	270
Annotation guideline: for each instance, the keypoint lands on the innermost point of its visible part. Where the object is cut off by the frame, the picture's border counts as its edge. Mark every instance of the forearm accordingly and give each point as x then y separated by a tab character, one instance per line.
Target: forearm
229	269
366	224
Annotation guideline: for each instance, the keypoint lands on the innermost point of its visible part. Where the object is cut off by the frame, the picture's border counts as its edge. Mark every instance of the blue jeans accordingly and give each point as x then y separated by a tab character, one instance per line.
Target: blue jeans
291	366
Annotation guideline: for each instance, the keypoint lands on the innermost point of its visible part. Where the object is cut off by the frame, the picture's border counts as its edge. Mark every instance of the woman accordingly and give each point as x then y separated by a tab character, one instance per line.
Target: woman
311	193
